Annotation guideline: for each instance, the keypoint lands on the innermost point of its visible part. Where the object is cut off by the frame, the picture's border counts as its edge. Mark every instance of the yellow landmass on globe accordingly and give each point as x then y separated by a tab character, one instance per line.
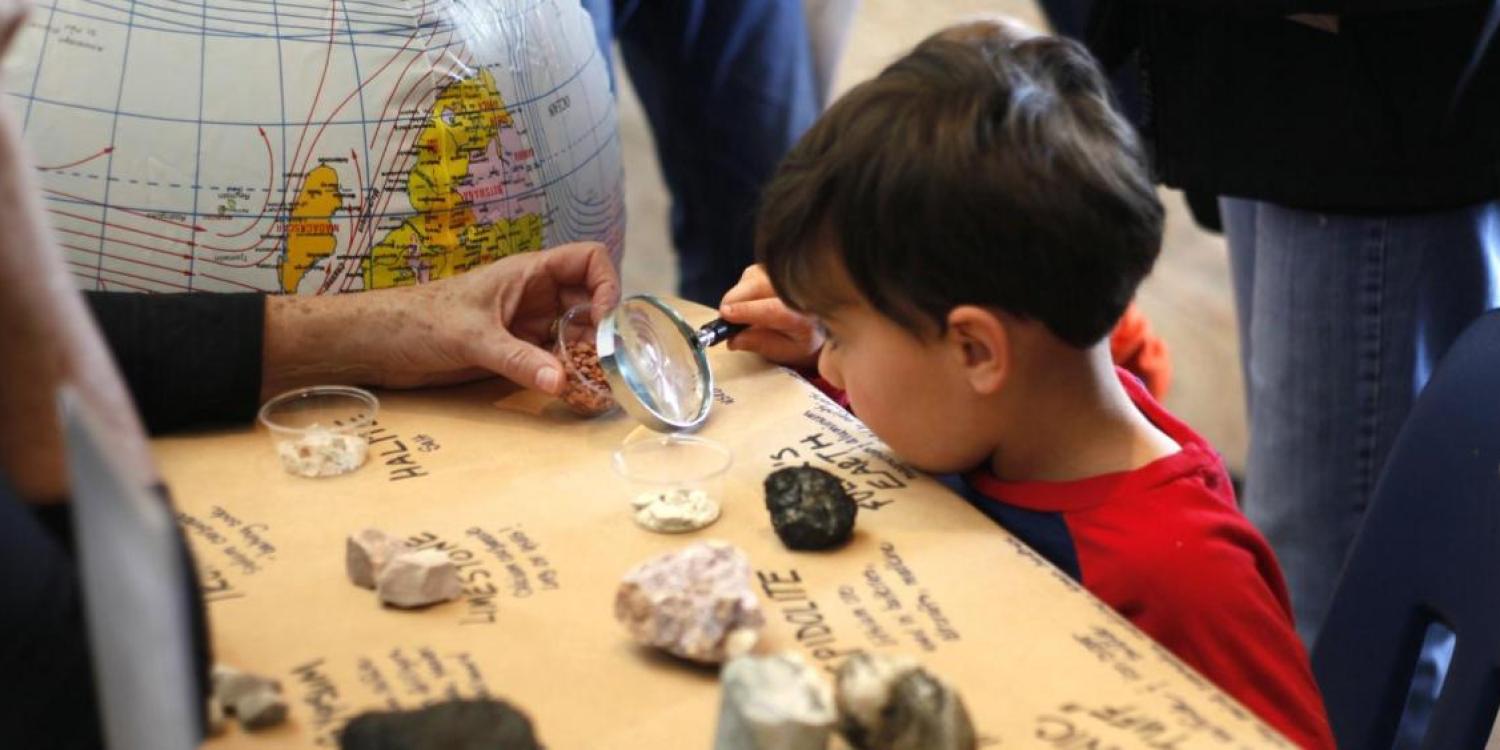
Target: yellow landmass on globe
311	234
444	238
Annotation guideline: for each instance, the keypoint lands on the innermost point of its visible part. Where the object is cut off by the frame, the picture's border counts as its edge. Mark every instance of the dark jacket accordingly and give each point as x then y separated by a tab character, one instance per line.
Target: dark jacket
1238	100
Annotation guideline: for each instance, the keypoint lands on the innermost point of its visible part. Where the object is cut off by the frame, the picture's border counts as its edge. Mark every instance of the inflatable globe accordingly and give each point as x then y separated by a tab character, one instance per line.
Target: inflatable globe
314	146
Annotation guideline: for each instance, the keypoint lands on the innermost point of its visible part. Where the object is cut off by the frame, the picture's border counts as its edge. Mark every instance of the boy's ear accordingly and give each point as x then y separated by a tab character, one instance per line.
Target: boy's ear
982	343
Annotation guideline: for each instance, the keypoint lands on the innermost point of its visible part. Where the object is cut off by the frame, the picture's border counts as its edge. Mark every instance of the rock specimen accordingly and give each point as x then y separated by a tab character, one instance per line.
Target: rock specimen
773	703
809	508
366	554
417	578
321	452
254	700
890	703
695	603
675	511
451	725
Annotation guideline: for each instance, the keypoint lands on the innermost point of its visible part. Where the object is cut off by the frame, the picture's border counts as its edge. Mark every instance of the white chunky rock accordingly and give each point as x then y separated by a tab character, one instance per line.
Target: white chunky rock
417	578
367	553
773	703
322	452
675	511
695	603
889	702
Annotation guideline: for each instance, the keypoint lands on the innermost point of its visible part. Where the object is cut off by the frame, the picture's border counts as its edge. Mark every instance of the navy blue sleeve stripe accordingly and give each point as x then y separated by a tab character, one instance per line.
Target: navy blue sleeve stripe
1046	533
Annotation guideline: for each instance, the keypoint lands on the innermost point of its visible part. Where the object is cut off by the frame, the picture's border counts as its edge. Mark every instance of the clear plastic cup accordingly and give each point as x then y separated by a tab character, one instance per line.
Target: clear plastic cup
674	482
585	390
322	430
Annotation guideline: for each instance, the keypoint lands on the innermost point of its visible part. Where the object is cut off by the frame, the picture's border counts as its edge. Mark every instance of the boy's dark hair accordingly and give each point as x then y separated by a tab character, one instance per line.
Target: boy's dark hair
975	170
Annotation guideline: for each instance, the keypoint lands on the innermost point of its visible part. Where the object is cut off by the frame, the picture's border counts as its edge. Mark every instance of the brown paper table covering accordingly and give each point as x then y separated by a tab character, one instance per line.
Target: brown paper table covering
522	496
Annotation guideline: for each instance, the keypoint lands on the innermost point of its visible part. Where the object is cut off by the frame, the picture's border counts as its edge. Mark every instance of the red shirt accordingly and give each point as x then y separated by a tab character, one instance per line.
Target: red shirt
1166	546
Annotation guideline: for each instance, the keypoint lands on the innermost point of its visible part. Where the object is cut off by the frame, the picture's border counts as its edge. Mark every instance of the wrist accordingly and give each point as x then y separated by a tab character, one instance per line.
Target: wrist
314	340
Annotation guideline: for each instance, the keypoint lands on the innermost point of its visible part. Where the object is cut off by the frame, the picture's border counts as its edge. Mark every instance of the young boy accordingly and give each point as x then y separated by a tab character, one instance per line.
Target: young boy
965	230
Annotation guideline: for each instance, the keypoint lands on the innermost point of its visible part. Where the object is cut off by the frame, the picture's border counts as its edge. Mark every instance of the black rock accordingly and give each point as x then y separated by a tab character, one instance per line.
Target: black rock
451	725
809	508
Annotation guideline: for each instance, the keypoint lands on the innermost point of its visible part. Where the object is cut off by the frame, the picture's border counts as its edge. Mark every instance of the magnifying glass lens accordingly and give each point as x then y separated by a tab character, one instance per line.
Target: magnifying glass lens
655	355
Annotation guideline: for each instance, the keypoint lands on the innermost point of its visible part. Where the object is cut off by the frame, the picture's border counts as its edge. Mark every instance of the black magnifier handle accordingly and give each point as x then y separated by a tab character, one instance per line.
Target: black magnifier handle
719	330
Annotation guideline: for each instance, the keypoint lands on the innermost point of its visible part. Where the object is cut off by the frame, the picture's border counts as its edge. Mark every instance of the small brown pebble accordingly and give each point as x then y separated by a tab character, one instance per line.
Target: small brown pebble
587	390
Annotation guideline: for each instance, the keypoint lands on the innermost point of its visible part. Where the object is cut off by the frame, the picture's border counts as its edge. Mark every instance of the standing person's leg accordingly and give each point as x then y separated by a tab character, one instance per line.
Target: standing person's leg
603	14
728	86
1345	317
828	26
1068	17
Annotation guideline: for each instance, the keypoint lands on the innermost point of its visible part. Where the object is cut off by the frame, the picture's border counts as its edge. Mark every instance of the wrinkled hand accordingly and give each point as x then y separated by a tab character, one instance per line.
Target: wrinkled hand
776	331
492	320
500	317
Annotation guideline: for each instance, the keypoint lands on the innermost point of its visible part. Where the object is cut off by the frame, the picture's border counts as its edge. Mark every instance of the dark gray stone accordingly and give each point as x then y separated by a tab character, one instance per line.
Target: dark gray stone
451	725
809	508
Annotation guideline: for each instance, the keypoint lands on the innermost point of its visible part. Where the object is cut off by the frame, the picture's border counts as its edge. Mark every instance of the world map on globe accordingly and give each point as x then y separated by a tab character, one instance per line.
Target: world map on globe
314	146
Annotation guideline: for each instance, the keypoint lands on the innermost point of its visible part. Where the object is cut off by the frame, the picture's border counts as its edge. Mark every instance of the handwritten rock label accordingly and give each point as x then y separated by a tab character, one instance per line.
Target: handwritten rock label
888	603
504	561
789	596
395	453
395	679
869	474
230	548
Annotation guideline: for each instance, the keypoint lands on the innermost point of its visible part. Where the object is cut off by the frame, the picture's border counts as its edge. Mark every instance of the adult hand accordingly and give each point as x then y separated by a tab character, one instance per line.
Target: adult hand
776	331
492	320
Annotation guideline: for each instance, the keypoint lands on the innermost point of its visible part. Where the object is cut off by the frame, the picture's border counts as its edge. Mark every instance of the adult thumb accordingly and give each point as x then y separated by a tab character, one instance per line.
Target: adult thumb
523	363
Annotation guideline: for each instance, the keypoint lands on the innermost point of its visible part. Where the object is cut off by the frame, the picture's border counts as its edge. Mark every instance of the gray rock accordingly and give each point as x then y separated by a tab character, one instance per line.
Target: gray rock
451	725
261	709
214	716
366	554
809	508
695	603
890	702
418	578
254	700
773	703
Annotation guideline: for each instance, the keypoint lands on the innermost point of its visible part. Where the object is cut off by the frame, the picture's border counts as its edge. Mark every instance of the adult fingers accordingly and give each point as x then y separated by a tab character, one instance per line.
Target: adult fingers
519	361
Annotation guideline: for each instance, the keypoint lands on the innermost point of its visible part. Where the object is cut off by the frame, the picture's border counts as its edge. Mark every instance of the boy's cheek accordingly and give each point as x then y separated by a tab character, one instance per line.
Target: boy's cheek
829	370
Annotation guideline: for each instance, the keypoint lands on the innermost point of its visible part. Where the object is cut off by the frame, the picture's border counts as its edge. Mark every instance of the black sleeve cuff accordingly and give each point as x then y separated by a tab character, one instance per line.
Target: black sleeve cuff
189	359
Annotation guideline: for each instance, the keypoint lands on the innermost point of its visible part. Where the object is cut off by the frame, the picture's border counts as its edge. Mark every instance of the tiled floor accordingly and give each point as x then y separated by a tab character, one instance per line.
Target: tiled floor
1187	298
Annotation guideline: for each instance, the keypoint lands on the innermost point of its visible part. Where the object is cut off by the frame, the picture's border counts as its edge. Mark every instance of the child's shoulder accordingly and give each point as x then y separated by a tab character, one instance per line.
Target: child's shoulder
1182	537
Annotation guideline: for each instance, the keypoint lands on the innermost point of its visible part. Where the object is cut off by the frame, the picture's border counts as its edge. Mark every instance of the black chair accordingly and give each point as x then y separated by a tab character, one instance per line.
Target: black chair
1429	551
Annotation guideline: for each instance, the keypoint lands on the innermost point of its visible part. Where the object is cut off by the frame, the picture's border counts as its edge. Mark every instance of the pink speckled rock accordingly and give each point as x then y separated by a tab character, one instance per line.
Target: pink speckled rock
695	603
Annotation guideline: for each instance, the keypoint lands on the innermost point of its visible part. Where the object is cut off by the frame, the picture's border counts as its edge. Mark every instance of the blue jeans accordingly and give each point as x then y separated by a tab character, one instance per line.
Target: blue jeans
1342	319
728	87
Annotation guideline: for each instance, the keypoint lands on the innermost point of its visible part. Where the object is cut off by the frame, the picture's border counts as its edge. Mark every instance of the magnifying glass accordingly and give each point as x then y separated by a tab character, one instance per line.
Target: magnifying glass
657	364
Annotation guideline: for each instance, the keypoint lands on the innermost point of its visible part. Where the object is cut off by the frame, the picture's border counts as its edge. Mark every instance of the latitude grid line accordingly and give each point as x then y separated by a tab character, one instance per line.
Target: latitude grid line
364	140
36	75
198	146
114	125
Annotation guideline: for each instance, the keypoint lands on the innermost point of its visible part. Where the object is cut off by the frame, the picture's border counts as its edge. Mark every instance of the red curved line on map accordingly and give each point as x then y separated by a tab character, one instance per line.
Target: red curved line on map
313	147
117	241
270	176
408	143
102	152
385	149
124	258
121	227
118	272
421	13
322	78
141	214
